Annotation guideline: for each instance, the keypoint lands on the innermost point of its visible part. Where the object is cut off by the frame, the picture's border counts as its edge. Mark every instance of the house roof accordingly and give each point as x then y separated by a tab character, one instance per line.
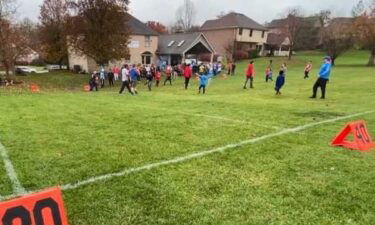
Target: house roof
342	21
139	28
311	21
232	20
180	43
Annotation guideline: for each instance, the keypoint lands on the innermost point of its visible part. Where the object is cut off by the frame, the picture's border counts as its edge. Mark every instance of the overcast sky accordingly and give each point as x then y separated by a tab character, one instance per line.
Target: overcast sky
259	10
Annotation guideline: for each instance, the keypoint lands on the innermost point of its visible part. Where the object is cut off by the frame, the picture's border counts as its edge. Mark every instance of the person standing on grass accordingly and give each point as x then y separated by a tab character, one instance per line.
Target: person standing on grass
168	74
134	74
157	76
284	68
268	74
149	77
203	82
125	80
250	74
93	82
187	75
116	72
102	77
323	78
308	68
234	66
111	78
280	82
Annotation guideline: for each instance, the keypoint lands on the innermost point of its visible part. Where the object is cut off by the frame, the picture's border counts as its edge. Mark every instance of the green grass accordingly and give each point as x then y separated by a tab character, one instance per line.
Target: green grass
62	135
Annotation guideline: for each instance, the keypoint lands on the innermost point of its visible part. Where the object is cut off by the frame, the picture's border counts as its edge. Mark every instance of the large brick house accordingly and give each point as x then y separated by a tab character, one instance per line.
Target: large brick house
235	32
142	45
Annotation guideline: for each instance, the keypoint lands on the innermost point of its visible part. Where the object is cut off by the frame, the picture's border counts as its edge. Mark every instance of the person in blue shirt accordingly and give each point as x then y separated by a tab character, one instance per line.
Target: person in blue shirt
203	81
134	73
280	82
323	78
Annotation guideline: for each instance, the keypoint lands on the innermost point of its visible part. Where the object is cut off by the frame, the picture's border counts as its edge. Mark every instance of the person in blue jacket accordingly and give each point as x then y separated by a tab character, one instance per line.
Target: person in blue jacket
280	82
203	81
323	78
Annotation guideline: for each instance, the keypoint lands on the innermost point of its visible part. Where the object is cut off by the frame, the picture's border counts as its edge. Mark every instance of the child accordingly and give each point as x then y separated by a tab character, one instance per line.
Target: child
269	74
168	73
308	68
250	74
203	81
157	76
280	82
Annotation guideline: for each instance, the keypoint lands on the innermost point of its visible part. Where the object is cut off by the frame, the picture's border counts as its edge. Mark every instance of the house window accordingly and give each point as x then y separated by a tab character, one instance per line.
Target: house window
240	31
251	32
147	41
263	34
181	43
171	43
146	58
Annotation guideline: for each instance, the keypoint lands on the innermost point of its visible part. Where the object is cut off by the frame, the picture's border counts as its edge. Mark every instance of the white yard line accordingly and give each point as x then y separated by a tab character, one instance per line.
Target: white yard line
16	184
198	154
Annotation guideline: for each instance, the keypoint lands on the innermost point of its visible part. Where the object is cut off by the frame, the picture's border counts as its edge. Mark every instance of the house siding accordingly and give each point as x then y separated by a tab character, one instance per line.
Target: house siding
255	38
220	39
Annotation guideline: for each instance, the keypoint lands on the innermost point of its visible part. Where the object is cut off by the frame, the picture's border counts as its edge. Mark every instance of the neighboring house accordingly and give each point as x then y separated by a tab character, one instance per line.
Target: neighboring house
235	32
309	34
184	47
29	58
143	44
278	44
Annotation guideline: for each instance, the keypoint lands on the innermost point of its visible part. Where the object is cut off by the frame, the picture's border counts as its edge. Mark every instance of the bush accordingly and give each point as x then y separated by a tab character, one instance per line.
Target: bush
253	54
240	55
38	62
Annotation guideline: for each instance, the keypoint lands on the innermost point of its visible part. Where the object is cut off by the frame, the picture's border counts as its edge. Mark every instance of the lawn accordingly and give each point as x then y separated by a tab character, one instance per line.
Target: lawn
63	135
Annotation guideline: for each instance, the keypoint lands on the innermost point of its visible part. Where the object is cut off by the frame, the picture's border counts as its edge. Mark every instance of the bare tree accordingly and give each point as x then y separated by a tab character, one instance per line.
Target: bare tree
185	15
337	38
365	31
292	26
358	9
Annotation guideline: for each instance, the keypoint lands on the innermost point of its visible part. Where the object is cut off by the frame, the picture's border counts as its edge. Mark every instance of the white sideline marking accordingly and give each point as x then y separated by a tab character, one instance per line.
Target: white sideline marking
197	154
16	184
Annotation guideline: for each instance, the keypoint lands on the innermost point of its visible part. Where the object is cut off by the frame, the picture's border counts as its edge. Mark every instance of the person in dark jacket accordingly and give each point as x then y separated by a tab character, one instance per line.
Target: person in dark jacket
111	78
280	82
93	82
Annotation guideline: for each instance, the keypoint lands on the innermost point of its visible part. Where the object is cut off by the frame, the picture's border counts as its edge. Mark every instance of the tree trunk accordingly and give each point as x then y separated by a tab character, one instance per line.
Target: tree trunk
290	53
371	62
333	61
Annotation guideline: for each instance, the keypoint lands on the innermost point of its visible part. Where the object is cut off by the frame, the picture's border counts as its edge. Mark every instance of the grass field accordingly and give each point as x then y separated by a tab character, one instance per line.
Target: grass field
63	135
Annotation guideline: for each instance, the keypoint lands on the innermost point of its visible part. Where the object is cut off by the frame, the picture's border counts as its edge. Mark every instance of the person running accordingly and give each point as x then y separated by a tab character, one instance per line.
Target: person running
308	68
284	68
168	74
323	78
187	75
134	74
280	82
268	74
250	74
116	72
158	76
203	81
125	80
111	78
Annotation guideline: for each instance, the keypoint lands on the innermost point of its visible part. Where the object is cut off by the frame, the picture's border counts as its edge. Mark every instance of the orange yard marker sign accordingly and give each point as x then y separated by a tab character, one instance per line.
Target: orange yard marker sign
34	88
44	208
362	139
86	88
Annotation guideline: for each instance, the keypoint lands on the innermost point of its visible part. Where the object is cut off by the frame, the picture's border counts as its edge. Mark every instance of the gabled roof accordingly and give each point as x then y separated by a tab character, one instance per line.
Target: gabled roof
232	20
139	28
180	43
311	21
342	21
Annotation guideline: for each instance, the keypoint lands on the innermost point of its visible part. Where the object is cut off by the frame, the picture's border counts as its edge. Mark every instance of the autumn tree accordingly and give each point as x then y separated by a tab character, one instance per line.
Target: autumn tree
157	27
99	29
365	31
337	37
52	31
185	15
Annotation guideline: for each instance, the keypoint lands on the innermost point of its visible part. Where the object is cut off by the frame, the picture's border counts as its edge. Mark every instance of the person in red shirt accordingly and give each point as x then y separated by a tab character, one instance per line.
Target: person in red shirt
157	76
250	74
168	74
187	75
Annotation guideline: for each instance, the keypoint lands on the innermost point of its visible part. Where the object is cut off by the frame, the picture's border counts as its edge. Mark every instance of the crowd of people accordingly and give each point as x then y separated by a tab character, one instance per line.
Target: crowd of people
131	75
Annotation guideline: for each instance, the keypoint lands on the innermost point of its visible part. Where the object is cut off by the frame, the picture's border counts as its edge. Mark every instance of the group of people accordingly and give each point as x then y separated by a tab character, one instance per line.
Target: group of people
323	77
131	75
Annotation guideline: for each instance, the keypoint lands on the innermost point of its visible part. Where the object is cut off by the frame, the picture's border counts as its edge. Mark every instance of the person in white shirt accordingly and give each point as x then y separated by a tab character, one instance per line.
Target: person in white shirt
125	80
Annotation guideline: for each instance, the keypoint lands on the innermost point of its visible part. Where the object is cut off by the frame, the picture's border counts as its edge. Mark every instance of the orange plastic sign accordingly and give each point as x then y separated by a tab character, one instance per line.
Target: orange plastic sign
44	208
34	88
362	139
86	88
